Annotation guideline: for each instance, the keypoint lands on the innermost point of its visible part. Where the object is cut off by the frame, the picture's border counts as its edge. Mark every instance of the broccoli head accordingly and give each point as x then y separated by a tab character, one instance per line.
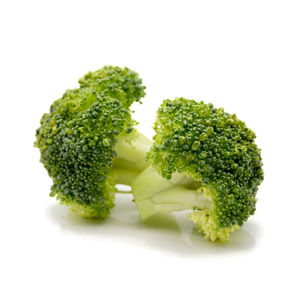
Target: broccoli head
122	84
88	143
202	159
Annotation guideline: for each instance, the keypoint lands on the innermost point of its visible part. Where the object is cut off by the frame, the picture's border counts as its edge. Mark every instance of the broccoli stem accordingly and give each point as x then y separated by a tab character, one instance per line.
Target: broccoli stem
130	161
123	192
154	194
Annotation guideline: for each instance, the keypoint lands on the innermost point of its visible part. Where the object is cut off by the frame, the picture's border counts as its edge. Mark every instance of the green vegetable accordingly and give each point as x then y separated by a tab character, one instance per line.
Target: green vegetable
202	159
88	143
122	84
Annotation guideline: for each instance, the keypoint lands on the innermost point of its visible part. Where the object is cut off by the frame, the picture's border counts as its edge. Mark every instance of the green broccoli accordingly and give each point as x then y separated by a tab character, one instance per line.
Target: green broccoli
88	143
121	84
202	159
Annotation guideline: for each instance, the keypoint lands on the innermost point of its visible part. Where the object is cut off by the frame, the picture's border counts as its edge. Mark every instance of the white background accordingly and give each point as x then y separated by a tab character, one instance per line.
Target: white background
241	55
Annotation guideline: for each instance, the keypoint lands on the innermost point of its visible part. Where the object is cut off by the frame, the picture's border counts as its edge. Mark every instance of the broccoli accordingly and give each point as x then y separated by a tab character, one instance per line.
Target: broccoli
202	159
122	84
88	142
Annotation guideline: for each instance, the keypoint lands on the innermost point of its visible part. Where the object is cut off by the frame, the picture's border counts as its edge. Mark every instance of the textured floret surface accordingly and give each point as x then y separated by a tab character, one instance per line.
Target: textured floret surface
120	83
76	140
216	149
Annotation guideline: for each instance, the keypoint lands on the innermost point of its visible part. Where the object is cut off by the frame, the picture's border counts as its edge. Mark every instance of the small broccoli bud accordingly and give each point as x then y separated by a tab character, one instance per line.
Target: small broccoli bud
207	225
122	84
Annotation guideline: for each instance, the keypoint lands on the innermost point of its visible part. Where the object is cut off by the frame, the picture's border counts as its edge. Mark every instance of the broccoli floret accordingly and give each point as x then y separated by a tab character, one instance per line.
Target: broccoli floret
121	84
203	159
88	143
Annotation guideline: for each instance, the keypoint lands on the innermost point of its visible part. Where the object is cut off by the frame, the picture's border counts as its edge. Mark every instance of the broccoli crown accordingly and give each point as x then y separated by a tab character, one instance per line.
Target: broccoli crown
76	140
122	84
217	150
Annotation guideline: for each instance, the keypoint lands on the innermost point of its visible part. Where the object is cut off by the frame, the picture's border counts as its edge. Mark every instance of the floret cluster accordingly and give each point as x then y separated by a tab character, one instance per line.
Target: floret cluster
201	159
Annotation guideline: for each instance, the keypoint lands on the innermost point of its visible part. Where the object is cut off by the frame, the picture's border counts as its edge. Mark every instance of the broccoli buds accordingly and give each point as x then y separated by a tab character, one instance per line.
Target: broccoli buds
79	137
208	162
122	84
202	159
